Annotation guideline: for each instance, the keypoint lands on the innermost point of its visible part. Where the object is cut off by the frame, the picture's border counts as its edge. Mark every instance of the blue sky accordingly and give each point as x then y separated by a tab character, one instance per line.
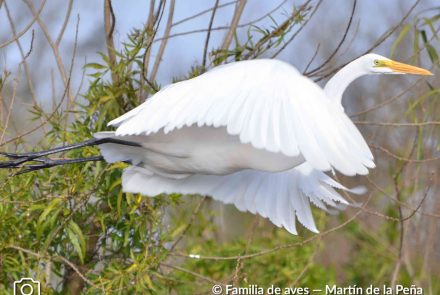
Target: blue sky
372	19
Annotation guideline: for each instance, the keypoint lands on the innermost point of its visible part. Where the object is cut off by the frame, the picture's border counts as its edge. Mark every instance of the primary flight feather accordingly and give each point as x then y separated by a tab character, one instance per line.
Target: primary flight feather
256	134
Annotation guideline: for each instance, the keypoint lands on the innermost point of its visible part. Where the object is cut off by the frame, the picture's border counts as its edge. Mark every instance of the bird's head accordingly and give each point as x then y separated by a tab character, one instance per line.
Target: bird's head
377	64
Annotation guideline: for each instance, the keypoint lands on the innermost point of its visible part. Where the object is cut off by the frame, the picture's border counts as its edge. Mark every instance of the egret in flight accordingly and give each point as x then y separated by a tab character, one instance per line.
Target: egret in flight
256	134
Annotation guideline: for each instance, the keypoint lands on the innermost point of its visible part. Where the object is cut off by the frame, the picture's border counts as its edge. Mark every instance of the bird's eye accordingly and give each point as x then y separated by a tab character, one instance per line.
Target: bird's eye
376	62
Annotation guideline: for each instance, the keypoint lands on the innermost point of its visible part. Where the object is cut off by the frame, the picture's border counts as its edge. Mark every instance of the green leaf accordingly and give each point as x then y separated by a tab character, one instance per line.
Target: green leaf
76	237
95	66
51	207
433	56
432	53
406	28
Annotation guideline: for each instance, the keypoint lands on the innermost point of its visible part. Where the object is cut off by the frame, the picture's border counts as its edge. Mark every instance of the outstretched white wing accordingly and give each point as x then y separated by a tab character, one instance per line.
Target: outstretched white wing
267	103
283	197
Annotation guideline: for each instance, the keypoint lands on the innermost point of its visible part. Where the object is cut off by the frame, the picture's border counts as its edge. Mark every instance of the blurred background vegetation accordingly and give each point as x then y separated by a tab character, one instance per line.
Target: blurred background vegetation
67	68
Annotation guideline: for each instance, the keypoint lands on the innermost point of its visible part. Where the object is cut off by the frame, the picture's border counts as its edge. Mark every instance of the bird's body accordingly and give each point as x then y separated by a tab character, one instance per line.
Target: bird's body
205	150
256	134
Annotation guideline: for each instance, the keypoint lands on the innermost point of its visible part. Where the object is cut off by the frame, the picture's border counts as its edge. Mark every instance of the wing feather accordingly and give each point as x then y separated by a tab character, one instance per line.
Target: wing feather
281	197
267	103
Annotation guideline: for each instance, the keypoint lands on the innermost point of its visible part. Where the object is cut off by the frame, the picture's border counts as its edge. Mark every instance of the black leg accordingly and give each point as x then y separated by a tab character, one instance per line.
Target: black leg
47	163
18	159
91	142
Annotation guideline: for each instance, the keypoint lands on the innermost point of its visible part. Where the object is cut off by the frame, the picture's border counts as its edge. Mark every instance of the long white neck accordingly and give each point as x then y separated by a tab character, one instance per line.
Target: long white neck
336	86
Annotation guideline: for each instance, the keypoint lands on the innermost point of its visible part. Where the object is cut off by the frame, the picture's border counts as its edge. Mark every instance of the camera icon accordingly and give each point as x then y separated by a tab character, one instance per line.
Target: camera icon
26	286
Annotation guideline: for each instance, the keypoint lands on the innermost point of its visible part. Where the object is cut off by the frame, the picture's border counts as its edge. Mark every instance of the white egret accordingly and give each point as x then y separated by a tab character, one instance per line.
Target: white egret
256	134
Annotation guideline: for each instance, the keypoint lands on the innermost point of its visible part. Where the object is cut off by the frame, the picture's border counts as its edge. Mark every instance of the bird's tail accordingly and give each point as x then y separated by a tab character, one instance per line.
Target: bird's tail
114	152
282	197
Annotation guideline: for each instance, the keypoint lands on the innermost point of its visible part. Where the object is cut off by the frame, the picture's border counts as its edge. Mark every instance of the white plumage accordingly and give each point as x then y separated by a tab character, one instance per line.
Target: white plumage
256	134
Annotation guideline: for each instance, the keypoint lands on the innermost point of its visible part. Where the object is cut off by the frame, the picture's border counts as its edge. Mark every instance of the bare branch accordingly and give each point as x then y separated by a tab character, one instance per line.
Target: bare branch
11	104
46	121
406	205
66	21
55	50
312	59
23	56
149	30
163	44
197	275
202	13
280	29
300	28
221	28
18	35
375	45
234	23
188	225
391	124
208	35
400	158
344	36
387	101
55	257
109	25
286	246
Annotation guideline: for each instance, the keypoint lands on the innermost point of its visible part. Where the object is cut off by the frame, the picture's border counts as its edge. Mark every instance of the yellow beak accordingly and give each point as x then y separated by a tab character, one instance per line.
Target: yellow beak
406	69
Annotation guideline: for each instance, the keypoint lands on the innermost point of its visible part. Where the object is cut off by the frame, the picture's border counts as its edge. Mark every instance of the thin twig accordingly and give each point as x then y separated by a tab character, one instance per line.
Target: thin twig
400	158
425	194
387	101
312	59
208	35
23	56
398	196
239	264
109	25
11	104
280	29
303	25
338	47
66	21
55	257
281	247
163	44
393	124
202	13
55	50
374	46
222	28
413	210
72	63
188	225
149	27
42	123
234	23
151	30
21	33
197	275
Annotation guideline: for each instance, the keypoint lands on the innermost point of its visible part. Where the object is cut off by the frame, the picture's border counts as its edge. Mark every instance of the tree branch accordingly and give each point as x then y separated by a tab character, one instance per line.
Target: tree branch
234	23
